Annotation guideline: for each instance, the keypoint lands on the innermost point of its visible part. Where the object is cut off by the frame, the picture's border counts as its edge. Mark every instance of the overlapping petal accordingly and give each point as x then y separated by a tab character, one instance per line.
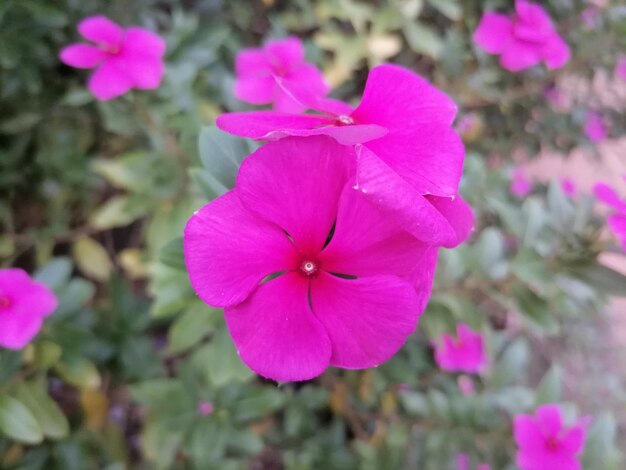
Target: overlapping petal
82	56
140	42
493	32
101	30
110	81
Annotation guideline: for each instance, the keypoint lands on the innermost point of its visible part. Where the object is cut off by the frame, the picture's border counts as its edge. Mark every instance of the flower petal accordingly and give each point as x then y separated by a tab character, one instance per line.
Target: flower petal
520	55
573	440
268	125
146	73
549	419
493	32
618	226
252	63
556	53
276	333
285	53
609	196
394	196
295	183
228	251
101	30
527	434
82	56
143	43
459	215
256	90
367	319
366	242
16	331
109	81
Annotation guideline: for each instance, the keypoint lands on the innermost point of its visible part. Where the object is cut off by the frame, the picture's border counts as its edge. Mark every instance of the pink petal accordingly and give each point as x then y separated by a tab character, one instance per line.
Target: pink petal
557	53
308	77
617	223
609	196
459	215
366	242
573	440
17	331
276	334
228	251
252	63
146	73
519	56
423	276
549	419
284	101
390	193
268	125
82	56
257	90
410	102
367	319
109	81
494	32
296	183
533	14
527	434
101	30
143	43
285	53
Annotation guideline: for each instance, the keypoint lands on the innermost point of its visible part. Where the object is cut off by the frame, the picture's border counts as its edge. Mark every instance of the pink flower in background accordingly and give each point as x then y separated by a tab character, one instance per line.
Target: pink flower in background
569	187
545	442
463	463
205	408
616	221
409	161
521	185
523	39
590	17
271	74
620	67
466	386
294	301
24	303
594	127
123	58
466	353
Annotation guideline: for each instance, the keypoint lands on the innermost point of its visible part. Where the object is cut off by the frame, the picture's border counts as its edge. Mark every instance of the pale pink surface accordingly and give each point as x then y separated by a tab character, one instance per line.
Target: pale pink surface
367	286
408	150
545	442
617	220
24	303
521	185
620	68
123	58
271	74
594	127
522	39
465	353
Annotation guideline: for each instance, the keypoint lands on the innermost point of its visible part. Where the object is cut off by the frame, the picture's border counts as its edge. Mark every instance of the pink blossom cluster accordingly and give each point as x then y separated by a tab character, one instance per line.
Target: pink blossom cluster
324	252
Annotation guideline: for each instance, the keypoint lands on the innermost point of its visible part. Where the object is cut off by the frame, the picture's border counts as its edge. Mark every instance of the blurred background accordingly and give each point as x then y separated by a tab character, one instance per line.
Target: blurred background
134	372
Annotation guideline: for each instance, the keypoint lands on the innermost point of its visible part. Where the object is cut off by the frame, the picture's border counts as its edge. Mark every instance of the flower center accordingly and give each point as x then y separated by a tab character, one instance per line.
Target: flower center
309	268
553	443
5	302
345	120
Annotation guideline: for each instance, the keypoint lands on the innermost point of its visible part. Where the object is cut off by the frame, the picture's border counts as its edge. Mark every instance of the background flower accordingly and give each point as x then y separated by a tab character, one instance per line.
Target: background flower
465	353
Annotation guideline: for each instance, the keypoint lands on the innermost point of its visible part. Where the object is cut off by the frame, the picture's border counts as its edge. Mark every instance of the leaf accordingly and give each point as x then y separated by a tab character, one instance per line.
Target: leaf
190	328
224	364
263	403
117	212
173	254
606	279
208	442
549	390
79	372
95	405
535	308
509	368
51	419
56	273
449	8
92	259
17	422
423	39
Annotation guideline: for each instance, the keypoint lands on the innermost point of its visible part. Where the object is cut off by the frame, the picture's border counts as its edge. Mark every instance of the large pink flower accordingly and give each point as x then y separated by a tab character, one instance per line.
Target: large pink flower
616	221
272	73
125	59
24	303
466	353
409	160
522	39
350	284
545	442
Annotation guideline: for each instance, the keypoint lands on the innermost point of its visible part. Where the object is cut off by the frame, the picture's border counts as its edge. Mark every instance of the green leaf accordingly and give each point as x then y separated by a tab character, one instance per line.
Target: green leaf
549	390
117	212
17	422
208	442
56	273
190	328
223	362
509	368
79	372
173	254
45	410
535	309
423	39
264	402
92	259
606	279
449	8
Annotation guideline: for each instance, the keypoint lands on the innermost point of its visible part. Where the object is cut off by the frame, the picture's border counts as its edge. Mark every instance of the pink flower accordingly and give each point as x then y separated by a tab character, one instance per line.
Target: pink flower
205	408
521	185
616	221
463	463
544	442
466	353
308	272
568	187
594	127
409	161
590	16
620	67
125	59
522	39
24	303
272	73
466	386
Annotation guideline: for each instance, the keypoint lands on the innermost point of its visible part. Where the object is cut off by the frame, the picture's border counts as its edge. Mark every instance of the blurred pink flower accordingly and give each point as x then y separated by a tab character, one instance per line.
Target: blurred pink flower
273	73
545	442
463	463
124	59
569	187
466	353
349	302
522	39
616	221
24	303
620	67
521	185
590	16
205	408
594	127
409	159
556	98
466	386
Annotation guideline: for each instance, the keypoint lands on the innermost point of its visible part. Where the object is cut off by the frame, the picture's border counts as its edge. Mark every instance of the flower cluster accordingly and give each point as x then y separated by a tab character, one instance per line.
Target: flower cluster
324	252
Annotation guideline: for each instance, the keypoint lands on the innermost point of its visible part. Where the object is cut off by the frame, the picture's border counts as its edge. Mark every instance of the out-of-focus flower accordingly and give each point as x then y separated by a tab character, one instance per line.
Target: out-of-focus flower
594	127
24	303
521	185
465	353
463	463
616	221
470	127
545	442
620	67
205	408
123	58
273	73
522	39
556	98
569	187
309	273
410	159
466	385
590	17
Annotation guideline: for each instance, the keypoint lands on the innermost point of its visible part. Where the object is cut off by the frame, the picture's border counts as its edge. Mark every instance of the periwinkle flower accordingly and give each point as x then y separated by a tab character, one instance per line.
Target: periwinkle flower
465	353
309	273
